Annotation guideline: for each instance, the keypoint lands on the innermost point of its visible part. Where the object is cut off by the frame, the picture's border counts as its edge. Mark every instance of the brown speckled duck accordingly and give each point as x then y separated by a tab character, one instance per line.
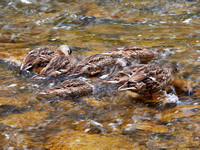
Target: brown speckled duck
69	88
59	65
42	56
133	51
145	78
94	64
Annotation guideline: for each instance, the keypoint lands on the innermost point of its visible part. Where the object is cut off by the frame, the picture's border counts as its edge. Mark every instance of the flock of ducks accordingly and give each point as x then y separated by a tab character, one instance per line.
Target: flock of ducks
139	78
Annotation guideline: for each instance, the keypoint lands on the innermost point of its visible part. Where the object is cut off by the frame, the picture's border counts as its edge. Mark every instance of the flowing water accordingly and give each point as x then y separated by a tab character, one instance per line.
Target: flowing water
106	119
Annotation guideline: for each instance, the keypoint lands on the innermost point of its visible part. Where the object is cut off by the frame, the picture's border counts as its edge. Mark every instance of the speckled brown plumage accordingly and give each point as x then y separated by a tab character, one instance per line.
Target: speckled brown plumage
69	88
94	64
36	57
42	56
118	78
59	65
133	51
145	78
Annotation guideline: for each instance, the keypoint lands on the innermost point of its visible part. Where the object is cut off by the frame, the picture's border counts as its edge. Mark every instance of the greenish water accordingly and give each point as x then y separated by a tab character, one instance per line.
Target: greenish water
106	119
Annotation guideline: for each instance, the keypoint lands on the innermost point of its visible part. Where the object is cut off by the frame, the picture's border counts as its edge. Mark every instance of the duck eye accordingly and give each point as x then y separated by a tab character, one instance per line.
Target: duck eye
131	73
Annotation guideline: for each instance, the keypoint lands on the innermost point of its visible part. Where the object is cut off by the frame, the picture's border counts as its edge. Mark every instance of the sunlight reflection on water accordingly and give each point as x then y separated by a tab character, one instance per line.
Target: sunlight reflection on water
94	27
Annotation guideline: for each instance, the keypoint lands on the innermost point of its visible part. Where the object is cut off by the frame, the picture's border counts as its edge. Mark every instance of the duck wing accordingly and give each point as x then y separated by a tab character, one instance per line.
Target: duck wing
149	79
94	63
57	66
139	84
70	88
120	77
134	51
36	57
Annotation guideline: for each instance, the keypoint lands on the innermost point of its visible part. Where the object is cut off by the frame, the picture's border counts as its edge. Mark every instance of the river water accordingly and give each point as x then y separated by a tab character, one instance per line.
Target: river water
106	119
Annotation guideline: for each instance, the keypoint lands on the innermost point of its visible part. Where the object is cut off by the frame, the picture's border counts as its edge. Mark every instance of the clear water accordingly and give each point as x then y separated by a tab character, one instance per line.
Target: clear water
106	119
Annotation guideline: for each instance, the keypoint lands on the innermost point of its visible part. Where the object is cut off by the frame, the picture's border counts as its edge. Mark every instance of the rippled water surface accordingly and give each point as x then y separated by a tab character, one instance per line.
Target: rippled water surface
106	119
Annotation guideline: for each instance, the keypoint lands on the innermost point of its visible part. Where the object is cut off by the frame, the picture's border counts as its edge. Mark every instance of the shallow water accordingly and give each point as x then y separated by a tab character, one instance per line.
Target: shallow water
106	119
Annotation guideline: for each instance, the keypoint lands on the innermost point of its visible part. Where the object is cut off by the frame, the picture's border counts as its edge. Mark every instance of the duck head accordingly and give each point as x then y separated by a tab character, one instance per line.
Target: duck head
171	67
64	49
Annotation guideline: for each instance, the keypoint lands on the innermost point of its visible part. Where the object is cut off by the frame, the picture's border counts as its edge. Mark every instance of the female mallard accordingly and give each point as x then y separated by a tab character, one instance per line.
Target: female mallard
134	51
59	65
41	56
145	78
94	64
69	88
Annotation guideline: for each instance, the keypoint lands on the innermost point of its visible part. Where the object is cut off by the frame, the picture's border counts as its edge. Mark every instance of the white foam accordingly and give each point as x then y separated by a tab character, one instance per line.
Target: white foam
104	76
26	1
129	127
121	62
114	126
171	98
6	135
187	21
12	85
96	123
86	130
198	59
